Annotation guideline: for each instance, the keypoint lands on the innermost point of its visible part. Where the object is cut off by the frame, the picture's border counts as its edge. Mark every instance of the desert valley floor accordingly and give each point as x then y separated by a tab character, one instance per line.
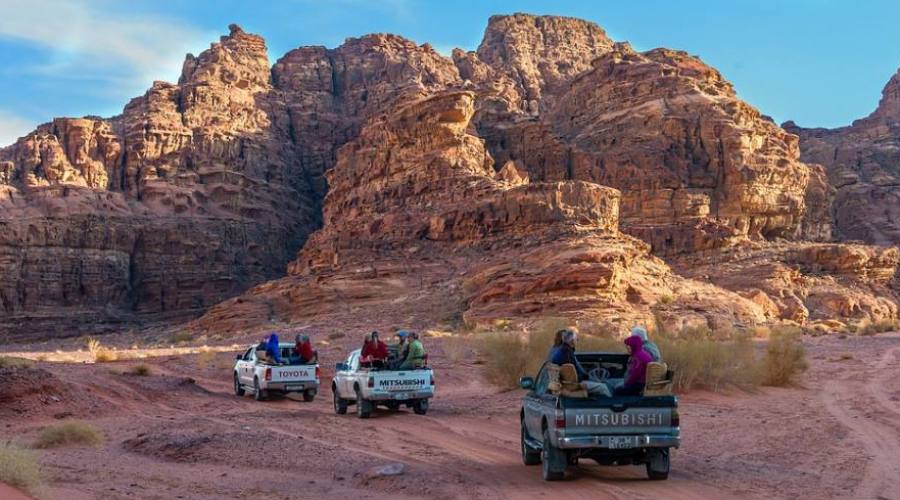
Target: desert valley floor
181	433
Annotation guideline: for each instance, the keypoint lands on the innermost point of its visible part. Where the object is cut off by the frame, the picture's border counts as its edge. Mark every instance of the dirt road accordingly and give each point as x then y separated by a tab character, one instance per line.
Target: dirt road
170	436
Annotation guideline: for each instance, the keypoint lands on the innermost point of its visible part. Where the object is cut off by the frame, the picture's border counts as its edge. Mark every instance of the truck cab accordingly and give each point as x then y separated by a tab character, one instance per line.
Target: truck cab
620	430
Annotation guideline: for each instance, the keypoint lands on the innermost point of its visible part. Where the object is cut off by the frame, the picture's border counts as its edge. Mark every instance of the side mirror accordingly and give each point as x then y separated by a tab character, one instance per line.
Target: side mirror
239	357
526	383
341	367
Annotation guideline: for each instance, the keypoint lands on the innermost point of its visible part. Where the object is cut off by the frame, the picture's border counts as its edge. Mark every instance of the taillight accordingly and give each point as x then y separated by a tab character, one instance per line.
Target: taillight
560	422
371	382
317	372
676	421
268	374
432	380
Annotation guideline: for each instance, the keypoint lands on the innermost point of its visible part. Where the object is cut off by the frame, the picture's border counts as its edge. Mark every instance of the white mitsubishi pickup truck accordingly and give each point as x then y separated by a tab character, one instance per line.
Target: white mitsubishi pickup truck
367	387
264	379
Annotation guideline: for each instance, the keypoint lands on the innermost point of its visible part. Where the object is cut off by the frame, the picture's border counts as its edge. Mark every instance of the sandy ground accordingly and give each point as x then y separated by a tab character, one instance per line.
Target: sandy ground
181	433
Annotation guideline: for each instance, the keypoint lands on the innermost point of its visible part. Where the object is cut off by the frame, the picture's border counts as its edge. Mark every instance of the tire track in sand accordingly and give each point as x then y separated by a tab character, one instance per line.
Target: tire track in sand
880	440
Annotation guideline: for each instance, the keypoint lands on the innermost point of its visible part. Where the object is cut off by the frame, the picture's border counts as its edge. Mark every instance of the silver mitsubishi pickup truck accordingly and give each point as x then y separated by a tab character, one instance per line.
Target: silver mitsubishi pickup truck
621	430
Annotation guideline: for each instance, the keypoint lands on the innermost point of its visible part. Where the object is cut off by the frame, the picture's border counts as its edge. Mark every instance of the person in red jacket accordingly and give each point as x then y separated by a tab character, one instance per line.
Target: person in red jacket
304	350
374	351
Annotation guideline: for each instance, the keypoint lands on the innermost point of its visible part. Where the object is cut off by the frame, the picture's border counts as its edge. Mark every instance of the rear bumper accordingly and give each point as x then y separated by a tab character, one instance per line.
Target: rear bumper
398	396
641	441
292	386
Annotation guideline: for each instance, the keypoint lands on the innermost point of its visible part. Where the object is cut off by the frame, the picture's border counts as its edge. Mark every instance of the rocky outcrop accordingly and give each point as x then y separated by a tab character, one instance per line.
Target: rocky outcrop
189	196
547	173
416	202
863	165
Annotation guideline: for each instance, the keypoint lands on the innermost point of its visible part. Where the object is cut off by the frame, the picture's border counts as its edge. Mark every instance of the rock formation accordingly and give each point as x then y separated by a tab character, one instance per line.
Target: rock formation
189	196
549	172
863	164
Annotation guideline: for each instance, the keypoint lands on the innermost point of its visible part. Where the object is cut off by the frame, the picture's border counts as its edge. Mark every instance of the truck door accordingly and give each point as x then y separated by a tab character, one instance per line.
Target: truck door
535	404
350	376
247	364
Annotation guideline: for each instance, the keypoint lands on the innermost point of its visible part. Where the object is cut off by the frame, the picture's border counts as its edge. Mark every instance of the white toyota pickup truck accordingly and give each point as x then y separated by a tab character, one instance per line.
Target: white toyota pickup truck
264	379
367	387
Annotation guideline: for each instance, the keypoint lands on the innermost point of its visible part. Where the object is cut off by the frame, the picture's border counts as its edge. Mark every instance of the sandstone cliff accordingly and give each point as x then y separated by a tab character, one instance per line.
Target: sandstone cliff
551	172
863	164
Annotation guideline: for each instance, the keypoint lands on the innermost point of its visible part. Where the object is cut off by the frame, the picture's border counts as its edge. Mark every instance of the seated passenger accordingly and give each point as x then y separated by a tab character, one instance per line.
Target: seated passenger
650	347
402	347
304	350
415	354
273	349
374	351
636	373
564	353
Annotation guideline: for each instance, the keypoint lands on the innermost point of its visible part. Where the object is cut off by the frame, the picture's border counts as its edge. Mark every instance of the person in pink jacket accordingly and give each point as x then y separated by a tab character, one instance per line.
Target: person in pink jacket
636	373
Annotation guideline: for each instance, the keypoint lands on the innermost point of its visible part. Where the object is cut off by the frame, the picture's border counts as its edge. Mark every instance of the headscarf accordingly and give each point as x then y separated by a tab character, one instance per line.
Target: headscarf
640	331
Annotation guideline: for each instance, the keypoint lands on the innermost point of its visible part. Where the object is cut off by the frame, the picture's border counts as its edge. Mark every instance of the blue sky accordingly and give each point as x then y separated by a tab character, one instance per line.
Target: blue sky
818	62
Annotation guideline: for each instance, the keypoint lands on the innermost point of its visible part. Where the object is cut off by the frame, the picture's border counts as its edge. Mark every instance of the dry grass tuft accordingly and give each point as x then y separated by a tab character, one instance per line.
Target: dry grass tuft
11	362
69	434
99	353
19	467
457	349
181	337
335	335
880	326
785	358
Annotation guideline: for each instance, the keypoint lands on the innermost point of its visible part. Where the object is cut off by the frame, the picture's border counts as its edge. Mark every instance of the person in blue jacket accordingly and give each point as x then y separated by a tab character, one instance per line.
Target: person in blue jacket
273	349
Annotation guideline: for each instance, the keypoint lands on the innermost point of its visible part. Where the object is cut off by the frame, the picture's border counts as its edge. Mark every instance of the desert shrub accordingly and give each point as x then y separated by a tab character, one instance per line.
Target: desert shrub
69	434
666	298
11	362
181	337
704	363
880	326
140	370
335	335
507	354
99	353
206	357
784	358
19	467
456	349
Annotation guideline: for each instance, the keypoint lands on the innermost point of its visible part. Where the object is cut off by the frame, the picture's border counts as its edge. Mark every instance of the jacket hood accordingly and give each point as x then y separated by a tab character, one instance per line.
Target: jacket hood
635	342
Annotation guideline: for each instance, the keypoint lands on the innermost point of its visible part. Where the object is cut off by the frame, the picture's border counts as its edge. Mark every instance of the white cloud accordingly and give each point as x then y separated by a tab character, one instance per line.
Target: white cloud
12	127
91	37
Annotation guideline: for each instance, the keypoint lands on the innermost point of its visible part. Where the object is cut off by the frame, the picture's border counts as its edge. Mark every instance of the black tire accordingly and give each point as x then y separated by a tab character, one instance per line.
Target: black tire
420	407
259	394
238	389
572	459
530	456
393	405
309	395
340	405
363	407
553	460
658	464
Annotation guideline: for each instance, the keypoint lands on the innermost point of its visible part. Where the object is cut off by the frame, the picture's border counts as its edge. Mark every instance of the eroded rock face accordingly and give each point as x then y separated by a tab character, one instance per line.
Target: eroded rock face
191	195
863	164
415	202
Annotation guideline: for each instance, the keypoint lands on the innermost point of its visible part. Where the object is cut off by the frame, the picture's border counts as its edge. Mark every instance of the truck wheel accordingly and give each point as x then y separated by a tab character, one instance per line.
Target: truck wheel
658	464
421	407
529	456
553	460
363	407
259	394
340	405
238	389
309	395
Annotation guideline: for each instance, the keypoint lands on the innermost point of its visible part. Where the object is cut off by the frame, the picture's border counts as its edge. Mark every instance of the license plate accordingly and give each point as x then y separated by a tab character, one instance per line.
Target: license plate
402	395
620	442
295	387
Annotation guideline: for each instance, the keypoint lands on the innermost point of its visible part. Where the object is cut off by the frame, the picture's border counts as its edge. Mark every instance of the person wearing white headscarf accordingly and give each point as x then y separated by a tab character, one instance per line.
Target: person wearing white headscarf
650	347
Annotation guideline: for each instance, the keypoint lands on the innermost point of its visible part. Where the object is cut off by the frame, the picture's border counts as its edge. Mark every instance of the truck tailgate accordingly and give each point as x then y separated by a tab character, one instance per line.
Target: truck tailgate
304	373
402	381
620	416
